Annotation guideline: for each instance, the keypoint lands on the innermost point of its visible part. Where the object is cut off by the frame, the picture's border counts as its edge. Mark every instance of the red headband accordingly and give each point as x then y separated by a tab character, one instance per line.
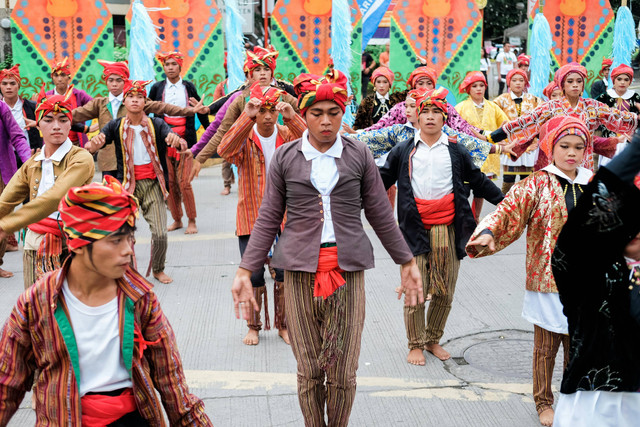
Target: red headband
567	69
524	59
61	67
260	56
382	72
606	62
471	78
311	89
11	73
53	104
558	127
622	69
118	68
520	72
162	57
419	73
269	95
551	87
135	86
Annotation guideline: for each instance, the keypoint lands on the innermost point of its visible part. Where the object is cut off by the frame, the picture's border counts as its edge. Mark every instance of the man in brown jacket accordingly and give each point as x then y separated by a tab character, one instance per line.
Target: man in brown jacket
323	181
44	179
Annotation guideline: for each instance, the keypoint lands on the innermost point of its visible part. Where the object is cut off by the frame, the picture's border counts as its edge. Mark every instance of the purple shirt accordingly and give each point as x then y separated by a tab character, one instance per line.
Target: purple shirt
12	138
215	124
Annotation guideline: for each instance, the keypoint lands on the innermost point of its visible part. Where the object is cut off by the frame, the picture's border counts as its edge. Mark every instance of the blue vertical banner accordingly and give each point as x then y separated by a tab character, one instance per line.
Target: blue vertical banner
372	13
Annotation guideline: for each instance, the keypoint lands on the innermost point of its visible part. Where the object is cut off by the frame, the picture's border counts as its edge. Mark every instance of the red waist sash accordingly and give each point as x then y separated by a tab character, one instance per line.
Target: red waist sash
179	126
328	277
99	410
436	212
46	226
144	172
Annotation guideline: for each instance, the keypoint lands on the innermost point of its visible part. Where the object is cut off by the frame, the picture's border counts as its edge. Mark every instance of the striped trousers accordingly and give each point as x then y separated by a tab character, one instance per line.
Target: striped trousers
440	305
3	242
545	349
335	388
154	212
180	189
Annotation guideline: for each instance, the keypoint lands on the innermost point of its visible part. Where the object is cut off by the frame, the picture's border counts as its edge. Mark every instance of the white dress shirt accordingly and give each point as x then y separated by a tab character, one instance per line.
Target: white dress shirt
324	177
18	114
140	153
115	102
431	170
48	178
175	94
383	98
268	144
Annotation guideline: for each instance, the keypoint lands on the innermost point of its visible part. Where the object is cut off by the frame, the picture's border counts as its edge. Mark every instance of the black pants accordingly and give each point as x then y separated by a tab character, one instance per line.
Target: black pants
501	84
110	173
512	178
132	419
257	277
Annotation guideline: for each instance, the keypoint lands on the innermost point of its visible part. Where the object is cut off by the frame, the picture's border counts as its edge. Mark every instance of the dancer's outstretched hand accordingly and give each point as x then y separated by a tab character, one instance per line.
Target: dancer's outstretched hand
411	284
242	292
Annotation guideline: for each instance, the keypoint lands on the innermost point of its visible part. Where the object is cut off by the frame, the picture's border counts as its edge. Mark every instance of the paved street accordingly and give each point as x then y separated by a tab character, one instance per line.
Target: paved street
486	383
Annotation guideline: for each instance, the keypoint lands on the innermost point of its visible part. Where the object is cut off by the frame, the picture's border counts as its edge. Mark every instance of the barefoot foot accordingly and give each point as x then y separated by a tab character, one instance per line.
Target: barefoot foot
7	274
284	334
226	191
546	417
176	225
162	277
437	350
191	227
251	338
416	357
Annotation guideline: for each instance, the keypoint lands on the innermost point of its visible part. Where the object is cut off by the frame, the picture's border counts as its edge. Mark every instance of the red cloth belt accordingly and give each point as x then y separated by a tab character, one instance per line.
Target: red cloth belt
328	277
144	172
46	226
436	212
179	126
99	410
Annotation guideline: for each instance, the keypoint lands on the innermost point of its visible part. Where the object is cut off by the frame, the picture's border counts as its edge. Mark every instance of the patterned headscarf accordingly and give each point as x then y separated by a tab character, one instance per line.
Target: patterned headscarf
382	72
622	69
520	72
419	73
61	67
471	78
311	88
179	57
135	86
94	211
551	87
269	95
118	68
436	97
11	73
606	62
261	56
53	104
565	70
559	127
524	59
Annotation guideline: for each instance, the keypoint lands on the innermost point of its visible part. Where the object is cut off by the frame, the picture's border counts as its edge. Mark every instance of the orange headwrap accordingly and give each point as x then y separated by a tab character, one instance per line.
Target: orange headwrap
311	88
162	57
269	95
436	97
606	62
53	104
61	67
135	86
471	78
622	69
382	72
520	72
118	68
567	69
419	73
551	87
11	73
260	56
558	127
524	59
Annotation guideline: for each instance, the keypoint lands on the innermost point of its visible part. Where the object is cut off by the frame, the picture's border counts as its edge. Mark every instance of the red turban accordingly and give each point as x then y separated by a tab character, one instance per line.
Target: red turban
269	95
419	73
471	78
53	104
524	59
567	69
520	72
61	67
162	57
260	56
311	89
558	127
11	73
94	211
606	62
382	72
551	87
118	68
135	86
437	97
622	69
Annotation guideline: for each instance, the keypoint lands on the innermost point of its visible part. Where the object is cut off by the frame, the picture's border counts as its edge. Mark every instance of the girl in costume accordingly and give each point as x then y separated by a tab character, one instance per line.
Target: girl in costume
374	106
540	204
552	91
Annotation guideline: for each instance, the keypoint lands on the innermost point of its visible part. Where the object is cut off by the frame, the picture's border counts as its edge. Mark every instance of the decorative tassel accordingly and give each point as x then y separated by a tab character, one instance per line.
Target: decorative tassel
235	44
144	43
540	53
341	53
624	38
48	254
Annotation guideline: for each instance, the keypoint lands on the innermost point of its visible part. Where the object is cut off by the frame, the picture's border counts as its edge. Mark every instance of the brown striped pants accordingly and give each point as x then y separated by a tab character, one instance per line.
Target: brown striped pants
180	189
335	388
545	349
3	242
154	212
440	305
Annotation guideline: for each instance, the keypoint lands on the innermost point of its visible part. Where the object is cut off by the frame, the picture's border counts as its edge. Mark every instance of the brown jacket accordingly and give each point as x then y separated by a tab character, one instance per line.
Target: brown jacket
74	170
235	109
98	108
289	187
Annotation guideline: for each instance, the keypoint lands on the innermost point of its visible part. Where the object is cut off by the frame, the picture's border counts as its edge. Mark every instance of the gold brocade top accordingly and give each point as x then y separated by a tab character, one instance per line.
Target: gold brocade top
509	106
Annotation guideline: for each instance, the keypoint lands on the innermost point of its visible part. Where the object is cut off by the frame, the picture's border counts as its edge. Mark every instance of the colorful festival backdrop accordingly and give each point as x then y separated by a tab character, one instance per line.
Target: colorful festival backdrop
195	28
300	30
581	30
46	31
448	33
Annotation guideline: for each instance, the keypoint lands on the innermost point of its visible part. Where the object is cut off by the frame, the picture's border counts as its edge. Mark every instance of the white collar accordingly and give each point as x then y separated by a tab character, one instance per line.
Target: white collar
444	139
627	95
177	84
582	178
311	153
260	137
481	105
513	95
17	106
55	91
58	155
119	97
382	98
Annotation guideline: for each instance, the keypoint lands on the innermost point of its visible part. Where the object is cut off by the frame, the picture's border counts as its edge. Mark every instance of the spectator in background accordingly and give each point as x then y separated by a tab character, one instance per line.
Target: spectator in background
485	63
600	86
384	57
368	65
505	61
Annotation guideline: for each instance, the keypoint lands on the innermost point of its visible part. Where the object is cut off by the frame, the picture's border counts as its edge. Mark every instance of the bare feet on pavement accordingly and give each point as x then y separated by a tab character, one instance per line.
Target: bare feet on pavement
226	191
7	274
546	417
162	277
251	338
191	227
437	350
416	357
176	225
284	334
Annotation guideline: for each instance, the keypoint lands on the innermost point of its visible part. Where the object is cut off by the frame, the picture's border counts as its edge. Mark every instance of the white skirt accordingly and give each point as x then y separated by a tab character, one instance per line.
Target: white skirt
598	409
545	310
